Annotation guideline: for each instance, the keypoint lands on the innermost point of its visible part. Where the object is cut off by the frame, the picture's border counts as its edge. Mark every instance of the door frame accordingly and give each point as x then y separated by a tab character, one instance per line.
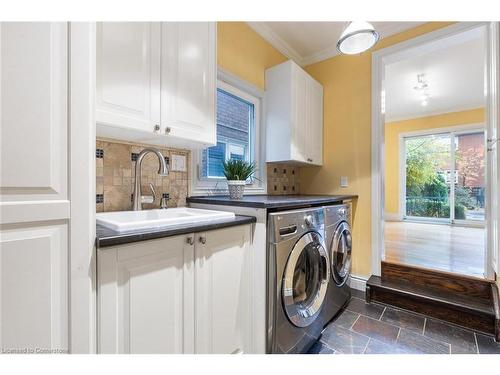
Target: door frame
452	131
81	161
396	52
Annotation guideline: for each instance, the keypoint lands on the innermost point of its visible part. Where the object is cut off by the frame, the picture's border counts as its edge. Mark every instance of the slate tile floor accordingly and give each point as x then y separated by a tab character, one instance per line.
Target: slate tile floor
364	328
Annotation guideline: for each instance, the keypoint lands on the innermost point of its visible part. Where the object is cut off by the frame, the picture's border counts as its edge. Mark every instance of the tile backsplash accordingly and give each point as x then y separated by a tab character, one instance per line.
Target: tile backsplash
115	168
282	179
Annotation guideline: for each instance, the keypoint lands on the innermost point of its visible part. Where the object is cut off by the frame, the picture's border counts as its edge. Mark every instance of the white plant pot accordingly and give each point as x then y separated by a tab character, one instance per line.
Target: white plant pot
236	188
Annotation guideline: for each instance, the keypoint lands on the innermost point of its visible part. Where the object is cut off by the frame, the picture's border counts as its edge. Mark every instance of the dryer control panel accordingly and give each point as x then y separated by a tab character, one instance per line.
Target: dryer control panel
336	213
286	224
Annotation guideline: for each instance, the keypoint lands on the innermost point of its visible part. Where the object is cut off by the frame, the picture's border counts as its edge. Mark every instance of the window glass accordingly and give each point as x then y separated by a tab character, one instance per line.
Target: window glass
235	127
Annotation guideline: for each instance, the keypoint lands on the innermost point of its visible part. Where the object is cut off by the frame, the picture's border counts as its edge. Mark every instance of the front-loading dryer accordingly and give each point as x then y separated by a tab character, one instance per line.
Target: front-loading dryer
298	277
339	246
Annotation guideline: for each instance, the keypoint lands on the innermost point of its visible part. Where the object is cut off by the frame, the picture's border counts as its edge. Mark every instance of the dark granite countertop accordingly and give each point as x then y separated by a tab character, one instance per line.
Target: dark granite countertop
271	201
108	237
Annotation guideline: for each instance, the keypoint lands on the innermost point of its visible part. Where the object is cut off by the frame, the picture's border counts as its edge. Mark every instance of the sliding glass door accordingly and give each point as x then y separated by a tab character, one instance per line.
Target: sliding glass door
444	178
470	186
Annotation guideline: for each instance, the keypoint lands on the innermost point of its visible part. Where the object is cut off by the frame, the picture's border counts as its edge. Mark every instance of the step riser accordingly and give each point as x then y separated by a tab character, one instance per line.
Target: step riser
495	298
437	280
477	321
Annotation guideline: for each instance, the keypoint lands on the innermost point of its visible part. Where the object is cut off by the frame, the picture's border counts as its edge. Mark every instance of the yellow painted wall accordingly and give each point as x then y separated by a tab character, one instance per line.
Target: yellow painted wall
347	137
394	129
243	52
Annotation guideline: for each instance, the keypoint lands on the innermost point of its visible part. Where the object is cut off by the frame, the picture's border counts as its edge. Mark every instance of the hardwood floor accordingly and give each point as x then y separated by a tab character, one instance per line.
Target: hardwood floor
441	247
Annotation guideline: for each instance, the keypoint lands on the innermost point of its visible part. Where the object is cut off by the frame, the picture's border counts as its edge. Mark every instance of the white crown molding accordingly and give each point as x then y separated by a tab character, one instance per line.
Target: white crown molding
321	55
393	28
276	41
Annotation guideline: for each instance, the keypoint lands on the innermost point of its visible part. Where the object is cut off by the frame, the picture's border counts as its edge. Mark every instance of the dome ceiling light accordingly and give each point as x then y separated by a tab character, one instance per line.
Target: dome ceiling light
358	37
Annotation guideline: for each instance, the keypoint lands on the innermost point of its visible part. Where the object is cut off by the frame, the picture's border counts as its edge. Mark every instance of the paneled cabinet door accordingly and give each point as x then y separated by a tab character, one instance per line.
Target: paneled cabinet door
301	126
146	292
34	202
128	74
223	291
188	81
314	145
294	102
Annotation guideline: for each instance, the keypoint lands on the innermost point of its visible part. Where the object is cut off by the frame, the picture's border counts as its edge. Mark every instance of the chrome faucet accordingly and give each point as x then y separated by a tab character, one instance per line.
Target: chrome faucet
138	198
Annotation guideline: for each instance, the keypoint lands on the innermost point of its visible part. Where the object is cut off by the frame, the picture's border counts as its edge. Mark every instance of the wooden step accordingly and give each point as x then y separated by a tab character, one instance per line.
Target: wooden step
465	301
438	280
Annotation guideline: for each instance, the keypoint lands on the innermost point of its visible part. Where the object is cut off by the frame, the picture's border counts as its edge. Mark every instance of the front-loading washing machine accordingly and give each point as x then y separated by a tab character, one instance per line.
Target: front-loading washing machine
298	277
338	241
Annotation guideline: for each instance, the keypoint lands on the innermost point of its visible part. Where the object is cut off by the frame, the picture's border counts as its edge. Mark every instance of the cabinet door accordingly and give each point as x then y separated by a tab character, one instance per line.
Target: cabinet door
300	115
223	293
34	202
146	297
128	75
314	141
188	81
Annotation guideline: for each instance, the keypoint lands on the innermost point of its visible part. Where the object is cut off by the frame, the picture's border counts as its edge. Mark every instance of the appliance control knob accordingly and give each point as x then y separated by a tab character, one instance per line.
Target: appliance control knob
309	220
342	211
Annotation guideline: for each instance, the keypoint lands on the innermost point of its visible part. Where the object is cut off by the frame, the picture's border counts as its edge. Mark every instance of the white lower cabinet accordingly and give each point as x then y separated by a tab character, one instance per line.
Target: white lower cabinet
223	291
182	294
146	297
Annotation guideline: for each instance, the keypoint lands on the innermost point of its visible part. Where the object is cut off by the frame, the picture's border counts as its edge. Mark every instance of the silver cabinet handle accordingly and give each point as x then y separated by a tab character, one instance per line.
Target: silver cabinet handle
202	240
190	240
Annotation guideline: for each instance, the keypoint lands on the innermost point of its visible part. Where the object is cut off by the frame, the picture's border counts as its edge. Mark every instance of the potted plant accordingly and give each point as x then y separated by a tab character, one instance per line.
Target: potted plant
237	172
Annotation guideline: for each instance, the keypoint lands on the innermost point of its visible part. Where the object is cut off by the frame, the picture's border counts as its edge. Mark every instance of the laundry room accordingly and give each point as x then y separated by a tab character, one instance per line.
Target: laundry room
201	182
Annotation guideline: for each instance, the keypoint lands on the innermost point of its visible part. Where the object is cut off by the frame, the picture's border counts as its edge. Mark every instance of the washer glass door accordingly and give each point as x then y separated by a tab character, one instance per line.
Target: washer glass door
340	253
305	280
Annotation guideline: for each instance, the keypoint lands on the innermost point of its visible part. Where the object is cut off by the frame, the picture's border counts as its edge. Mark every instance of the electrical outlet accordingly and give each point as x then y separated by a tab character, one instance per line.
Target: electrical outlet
344	181
178	163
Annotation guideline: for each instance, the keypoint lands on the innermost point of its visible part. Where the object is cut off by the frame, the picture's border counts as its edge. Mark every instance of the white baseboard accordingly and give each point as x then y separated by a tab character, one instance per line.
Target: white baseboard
392	217
357	282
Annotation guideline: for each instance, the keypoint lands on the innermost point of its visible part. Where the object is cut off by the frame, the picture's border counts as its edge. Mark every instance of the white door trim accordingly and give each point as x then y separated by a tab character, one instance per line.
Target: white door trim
394	53
81	117
492	260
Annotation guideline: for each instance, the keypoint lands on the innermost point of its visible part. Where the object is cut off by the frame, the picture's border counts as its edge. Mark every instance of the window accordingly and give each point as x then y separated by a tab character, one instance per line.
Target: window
235	128
238	137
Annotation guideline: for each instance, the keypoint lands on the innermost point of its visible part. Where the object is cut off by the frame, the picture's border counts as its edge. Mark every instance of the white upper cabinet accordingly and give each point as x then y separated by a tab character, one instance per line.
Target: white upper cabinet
188	81
156	82
128	75
314	141
294	115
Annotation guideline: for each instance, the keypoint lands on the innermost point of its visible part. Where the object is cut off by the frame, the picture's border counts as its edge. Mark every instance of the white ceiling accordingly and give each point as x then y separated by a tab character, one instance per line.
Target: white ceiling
310	42
454	71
